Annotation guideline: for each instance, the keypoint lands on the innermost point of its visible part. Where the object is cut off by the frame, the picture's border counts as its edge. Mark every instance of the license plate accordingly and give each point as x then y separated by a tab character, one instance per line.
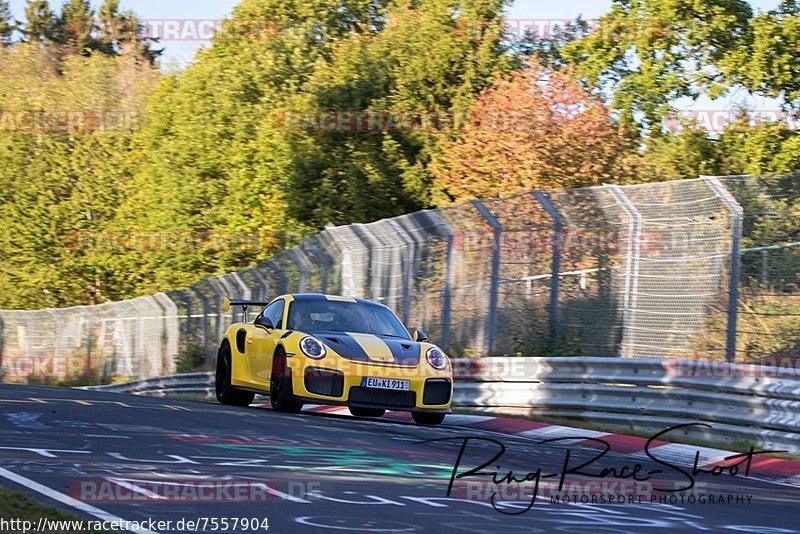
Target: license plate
386	383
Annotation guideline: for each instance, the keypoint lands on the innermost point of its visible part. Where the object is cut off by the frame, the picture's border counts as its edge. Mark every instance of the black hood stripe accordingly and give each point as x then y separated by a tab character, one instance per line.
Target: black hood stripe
404	352
345	346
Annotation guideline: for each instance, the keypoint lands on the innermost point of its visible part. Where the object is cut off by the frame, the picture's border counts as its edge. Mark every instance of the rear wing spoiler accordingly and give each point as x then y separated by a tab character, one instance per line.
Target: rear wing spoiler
227	303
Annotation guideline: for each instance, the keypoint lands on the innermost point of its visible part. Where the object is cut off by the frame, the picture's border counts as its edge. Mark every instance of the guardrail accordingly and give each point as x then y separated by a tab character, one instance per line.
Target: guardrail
196	386
745	405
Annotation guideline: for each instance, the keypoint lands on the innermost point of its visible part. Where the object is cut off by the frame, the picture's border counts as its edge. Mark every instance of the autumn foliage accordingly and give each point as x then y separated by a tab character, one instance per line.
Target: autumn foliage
538	129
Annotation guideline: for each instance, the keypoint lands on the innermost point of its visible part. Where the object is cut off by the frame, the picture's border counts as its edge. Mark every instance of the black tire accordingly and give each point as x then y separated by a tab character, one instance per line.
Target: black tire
425	418
366	412
280	386
226	393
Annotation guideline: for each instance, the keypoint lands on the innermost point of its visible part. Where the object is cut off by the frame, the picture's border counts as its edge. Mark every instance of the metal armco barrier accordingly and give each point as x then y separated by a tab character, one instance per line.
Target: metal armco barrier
744	405
198	386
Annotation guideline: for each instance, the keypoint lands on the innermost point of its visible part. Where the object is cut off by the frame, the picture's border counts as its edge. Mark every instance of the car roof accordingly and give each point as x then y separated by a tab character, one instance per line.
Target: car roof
320	296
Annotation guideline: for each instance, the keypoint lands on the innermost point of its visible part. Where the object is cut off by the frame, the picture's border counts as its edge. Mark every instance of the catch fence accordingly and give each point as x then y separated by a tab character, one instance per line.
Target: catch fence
692	268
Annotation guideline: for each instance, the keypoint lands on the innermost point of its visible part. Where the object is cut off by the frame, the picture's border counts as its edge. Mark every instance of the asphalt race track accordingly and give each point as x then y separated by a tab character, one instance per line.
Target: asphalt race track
324	473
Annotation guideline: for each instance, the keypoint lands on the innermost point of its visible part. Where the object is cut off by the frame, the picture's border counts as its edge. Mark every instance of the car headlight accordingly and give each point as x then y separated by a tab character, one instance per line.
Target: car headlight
313	348
436	358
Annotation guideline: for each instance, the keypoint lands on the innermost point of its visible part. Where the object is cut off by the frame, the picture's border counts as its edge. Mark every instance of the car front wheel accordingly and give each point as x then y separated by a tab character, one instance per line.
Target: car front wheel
280	386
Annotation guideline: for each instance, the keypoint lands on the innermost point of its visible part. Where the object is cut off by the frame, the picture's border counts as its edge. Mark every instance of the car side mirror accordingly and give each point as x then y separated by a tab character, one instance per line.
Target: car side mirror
419	335
264	322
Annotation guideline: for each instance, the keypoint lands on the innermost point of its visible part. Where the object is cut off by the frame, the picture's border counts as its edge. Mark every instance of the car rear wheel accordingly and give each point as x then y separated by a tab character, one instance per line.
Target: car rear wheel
280	386
424	418
225	392
366	412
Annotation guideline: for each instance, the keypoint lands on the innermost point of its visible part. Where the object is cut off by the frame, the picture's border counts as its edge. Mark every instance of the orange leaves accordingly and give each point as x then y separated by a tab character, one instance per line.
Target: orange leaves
538	129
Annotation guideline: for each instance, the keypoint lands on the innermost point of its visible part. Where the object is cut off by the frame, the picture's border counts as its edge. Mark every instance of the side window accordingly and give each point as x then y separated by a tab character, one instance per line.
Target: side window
274	313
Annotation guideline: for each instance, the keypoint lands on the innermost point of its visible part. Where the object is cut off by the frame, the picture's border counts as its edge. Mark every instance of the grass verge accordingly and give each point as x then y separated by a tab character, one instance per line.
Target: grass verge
16	508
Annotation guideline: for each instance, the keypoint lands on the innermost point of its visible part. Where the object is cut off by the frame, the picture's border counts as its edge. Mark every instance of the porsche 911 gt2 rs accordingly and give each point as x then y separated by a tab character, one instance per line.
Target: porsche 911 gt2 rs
323	349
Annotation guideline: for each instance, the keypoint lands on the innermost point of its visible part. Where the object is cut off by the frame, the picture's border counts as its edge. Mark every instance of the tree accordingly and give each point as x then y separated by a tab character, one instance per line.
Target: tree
7	24
425	63
685	154
744	147
216	153
65	174
132	37
549	49
538	129
763	148
771	67
118	31
40	22
76	24
110	22
210	157
648	53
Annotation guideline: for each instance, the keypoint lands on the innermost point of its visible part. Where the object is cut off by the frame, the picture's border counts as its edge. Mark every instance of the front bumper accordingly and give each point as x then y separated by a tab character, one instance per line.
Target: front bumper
340	383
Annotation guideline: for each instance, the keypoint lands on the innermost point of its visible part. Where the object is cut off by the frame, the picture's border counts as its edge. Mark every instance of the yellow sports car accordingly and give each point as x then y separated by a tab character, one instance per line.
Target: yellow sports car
322	349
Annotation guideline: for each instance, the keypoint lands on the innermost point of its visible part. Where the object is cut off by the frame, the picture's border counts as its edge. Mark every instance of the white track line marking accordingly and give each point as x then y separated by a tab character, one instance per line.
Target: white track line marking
457	419
67	500
792	481
679	453
133	487
557	431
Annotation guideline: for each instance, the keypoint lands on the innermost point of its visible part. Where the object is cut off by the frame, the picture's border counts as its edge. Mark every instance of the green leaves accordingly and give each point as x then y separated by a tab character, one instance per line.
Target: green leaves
648	53
7	24
40	22
76	25
645	54
431	59
57	182
772	66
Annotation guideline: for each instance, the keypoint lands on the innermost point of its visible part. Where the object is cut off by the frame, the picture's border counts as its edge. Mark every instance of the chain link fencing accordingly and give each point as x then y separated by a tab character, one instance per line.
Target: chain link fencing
767	312
667	269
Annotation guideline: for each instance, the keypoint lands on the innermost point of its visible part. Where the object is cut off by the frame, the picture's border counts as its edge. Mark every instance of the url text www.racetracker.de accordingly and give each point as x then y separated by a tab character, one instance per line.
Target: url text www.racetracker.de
199	524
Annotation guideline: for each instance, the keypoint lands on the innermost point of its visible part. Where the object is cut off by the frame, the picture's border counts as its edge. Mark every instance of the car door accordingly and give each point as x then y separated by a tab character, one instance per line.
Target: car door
261	343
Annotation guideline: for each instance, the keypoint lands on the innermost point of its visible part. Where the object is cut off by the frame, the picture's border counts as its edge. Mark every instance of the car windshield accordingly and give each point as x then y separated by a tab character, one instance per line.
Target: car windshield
336	316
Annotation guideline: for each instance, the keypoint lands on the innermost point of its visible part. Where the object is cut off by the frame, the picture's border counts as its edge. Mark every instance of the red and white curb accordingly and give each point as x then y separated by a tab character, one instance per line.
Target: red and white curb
773	470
